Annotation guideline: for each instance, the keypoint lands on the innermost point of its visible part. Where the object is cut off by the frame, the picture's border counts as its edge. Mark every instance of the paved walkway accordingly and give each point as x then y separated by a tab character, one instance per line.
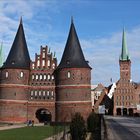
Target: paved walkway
6	126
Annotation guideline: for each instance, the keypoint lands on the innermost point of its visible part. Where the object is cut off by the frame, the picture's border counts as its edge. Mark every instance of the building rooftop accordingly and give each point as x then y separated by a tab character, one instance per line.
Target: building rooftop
73	56
18	56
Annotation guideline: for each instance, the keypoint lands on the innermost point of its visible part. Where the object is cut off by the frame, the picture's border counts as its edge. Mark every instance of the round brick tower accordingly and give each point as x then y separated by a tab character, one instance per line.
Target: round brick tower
73	76
14	81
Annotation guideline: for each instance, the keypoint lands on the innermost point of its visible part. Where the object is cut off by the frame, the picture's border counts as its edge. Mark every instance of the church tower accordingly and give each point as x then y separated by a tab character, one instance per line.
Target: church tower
14	83
125	89
125	62
73	76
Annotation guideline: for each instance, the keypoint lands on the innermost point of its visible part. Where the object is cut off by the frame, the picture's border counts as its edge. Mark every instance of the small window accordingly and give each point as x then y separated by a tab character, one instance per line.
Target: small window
45	77
52	77
52	93
40	77
39	93
44	93
49	63
21	74
49	77
35	93
43	63
33	66
36	77
13	62
6	74
53	66
48	93
33	77
67	62
43	55
32	93
68	75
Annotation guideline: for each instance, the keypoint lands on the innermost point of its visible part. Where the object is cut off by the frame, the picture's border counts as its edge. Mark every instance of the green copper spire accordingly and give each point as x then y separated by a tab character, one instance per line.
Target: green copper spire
124	55
1	56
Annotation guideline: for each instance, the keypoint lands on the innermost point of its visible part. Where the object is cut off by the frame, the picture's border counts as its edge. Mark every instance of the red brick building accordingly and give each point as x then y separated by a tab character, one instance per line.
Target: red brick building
73	76
127	93
39	90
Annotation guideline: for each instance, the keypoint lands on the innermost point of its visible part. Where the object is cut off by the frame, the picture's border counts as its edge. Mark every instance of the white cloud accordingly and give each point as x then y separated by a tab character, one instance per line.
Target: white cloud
102	53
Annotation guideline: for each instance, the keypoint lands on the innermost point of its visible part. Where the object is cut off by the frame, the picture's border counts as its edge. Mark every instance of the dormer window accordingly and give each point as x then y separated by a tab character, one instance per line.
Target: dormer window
68	74
6	74
21	74
13	62
67	62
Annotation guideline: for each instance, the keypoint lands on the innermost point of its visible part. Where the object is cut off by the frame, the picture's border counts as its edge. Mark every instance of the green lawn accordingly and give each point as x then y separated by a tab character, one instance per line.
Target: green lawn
29	133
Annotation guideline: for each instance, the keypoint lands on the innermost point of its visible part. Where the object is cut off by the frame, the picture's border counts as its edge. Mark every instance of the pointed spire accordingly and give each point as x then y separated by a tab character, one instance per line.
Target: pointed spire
71	19
18	56
73	56
21	20
124	54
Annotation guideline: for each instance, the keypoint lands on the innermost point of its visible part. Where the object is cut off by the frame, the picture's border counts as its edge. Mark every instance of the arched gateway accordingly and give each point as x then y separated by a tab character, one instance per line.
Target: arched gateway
43	115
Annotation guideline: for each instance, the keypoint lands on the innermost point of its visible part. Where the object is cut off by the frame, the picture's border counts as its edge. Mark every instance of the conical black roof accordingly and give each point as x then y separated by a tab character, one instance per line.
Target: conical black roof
18	57
73	56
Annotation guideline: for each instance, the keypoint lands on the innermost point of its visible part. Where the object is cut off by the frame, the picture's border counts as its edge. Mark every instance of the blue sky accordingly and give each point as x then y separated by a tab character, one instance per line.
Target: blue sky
99	25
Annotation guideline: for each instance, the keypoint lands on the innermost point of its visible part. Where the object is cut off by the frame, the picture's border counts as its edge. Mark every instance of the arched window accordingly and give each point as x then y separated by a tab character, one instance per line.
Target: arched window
49	77
21	74
40	77
36	77
6	74
68	74
45	77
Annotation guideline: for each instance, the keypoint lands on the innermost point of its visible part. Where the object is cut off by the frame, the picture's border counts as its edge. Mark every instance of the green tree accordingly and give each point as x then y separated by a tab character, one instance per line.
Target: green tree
77	127
93	122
